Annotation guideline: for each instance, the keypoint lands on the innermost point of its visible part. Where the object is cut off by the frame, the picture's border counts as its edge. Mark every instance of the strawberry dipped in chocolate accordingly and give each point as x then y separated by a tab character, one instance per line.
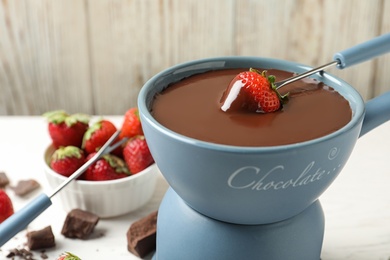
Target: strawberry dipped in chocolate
252	91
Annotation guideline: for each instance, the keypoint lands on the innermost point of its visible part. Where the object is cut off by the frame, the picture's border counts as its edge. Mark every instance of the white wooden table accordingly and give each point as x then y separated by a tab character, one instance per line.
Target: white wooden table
356	206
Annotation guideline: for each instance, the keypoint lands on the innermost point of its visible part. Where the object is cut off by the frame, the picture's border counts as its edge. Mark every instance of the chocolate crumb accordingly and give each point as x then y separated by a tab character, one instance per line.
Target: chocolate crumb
21	253
24	187
79	224
141	236
4	181
39	239
44	255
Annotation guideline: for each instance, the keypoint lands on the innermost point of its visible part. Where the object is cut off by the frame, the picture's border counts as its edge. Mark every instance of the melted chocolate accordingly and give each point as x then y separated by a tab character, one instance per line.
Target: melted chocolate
191	107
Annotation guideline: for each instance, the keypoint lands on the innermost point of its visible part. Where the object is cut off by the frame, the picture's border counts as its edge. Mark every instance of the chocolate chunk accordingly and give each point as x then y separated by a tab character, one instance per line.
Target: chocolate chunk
79	224
4	181
141	236
25	186
39	239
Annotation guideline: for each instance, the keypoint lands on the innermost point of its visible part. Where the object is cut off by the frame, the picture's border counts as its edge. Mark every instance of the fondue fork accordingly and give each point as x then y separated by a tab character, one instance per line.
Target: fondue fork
348	57
18	221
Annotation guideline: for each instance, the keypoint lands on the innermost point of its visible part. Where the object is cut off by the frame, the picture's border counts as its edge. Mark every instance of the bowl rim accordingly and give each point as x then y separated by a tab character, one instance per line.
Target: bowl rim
147	93
50	149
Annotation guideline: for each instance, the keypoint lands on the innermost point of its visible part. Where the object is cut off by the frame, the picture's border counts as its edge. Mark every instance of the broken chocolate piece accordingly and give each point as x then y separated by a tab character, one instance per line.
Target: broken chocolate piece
4	181
39	239
25	186
79	224
141	236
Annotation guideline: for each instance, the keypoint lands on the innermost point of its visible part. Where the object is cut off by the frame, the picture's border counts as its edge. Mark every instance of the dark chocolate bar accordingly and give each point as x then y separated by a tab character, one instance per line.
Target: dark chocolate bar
79	224
141	236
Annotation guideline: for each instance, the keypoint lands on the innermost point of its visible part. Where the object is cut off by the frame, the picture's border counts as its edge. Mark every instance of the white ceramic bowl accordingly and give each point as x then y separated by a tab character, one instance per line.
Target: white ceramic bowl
104	198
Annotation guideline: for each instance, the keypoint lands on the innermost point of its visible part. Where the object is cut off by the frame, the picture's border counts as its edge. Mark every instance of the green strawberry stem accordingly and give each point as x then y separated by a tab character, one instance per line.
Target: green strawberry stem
67	152
282	98
70	256
116	163
271	79
91	129
59	116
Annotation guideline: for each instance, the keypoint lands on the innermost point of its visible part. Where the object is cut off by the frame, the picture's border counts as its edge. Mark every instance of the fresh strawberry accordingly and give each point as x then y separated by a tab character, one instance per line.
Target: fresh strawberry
131	125
66	160
136	154
6	207
66	129
68	256
97	135
108	167
254	91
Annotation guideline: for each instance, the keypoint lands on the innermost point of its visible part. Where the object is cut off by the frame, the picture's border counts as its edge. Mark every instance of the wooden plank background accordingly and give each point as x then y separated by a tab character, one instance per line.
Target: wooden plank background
93	56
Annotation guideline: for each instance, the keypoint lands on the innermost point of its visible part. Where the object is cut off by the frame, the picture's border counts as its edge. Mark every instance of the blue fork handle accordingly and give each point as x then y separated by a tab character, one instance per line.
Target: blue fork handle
20	219
364	51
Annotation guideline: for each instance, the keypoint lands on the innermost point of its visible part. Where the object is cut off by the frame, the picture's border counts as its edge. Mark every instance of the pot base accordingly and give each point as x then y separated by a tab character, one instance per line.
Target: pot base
183	233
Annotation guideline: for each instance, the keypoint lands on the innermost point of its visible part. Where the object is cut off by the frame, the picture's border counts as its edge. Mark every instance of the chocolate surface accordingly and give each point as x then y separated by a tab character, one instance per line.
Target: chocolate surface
79	224
191	107
141	236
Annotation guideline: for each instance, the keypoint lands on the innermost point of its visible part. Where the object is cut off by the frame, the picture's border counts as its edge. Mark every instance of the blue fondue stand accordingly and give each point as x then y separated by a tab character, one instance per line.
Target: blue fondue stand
183	233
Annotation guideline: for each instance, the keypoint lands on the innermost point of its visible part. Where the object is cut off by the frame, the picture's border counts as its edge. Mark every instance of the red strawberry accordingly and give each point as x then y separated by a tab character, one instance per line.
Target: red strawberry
254	91
66	129
131	125
66	160
6	207
97	135
136	154
108	167
68	256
